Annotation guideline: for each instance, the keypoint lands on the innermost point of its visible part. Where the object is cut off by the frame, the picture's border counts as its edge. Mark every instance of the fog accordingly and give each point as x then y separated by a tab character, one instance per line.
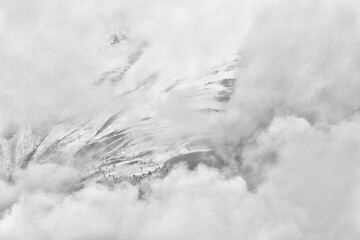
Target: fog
290	134
311	193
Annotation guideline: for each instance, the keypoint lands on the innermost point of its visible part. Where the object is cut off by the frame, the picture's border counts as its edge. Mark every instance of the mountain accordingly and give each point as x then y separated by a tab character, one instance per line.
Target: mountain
141	132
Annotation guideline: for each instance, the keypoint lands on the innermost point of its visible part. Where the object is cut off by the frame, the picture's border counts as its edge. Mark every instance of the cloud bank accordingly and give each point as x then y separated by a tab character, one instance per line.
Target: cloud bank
311	193
291	130
52	52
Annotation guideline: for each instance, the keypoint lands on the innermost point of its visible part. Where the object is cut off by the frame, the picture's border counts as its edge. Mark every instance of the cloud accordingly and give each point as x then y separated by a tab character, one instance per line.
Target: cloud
310	193
184	205
291	129
298	59
53	51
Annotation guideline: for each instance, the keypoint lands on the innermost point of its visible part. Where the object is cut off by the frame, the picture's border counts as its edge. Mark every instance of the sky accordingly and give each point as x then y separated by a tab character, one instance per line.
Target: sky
293	120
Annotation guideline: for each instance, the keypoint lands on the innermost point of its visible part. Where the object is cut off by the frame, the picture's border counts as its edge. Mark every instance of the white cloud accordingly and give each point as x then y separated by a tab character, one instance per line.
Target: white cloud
293	119
310	193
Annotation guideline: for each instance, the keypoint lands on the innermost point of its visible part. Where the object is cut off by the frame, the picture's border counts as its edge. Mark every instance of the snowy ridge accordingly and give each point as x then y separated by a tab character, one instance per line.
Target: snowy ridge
130	138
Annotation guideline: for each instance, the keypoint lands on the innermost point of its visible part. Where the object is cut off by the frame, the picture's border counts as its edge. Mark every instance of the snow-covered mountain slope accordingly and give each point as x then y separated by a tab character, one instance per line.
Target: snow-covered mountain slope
142	129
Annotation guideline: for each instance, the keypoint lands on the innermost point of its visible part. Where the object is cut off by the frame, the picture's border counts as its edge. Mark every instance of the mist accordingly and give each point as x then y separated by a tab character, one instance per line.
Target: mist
289	136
